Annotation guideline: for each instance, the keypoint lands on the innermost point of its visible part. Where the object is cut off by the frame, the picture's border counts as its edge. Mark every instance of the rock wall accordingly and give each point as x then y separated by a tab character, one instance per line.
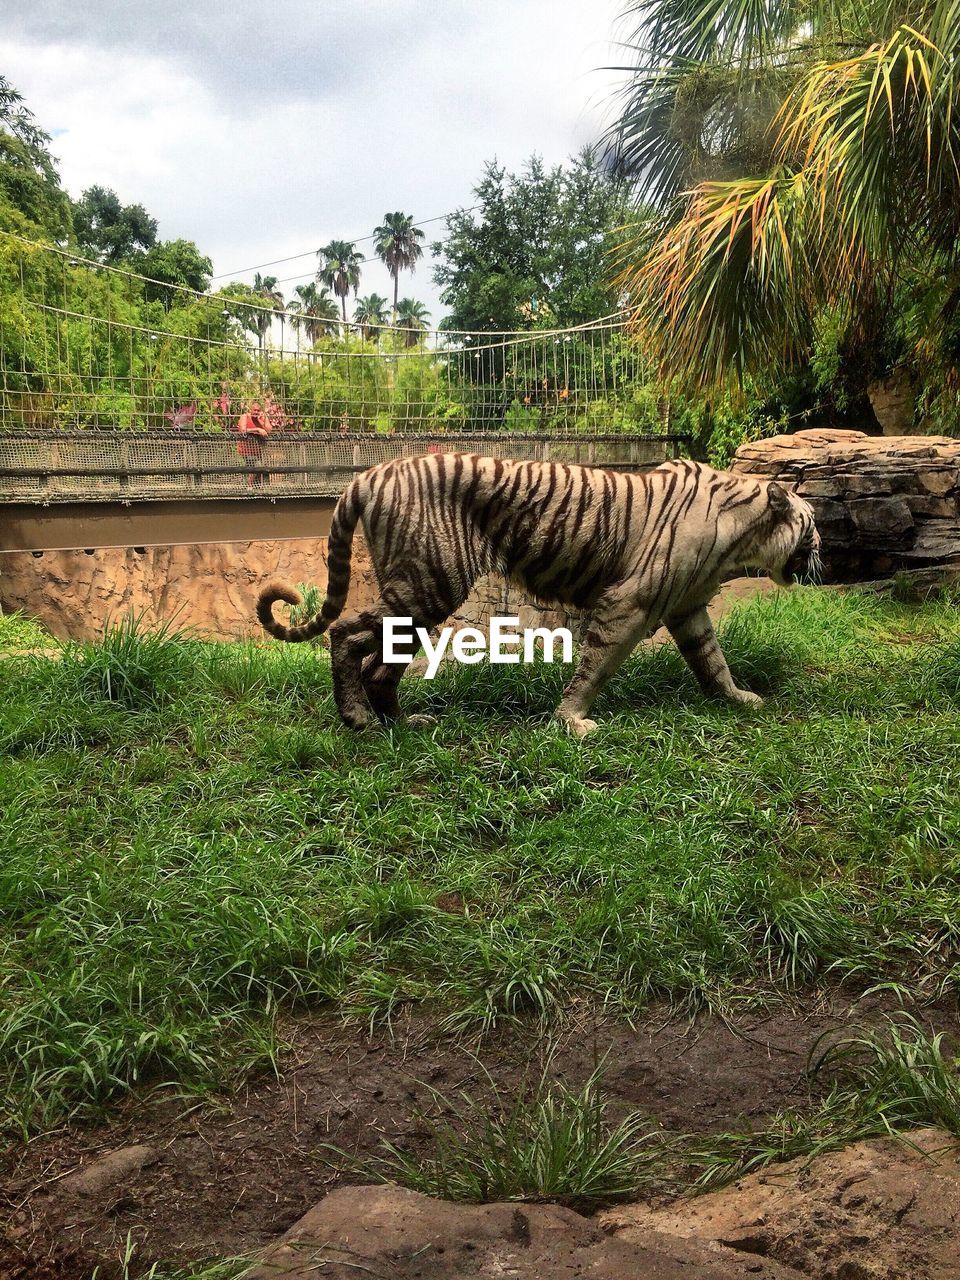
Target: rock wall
883	504
210	588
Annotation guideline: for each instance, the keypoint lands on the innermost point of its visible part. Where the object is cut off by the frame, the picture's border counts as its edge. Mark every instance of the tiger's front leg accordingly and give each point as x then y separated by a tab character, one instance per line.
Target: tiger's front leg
697	642
615	629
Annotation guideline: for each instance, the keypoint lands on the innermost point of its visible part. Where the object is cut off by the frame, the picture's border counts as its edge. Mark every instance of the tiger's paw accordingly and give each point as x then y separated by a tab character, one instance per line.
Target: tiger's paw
420	721
358	719
578	725
745	698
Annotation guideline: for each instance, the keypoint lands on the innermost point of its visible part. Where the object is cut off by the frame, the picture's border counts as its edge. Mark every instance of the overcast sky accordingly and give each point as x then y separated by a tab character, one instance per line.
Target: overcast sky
263	129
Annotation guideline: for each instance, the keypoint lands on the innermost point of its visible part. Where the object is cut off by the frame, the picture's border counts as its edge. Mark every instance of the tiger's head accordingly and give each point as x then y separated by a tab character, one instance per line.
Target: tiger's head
790	546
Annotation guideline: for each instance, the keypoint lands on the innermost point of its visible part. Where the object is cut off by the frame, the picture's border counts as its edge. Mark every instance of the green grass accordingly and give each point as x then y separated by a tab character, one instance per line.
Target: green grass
19	633
889	1080
191	843
555	1145
128	1266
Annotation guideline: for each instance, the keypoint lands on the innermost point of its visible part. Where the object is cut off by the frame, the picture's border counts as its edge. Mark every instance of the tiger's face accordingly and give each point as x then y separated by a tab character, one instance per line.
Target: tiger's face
795	543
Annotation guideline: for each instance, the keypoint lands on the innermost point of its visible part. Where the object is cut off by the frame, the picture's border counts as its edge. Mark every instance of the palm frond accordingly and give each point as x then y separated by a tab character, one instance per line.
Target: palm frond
726	288
725	29
879	135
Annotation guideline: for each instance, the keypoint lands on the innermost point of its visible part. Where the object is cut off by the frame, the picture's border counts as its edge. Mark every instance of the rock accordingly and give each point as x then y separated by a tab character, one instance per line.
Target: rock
883	504
881	520
893	401
100	1175
210	588
939	481
881	1210
389	1231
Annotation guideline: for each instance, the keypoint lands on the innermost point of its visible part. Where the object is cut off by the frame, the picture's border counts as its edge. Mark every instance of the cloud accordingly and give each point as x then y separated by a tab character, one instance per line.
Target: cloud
287	49
261	130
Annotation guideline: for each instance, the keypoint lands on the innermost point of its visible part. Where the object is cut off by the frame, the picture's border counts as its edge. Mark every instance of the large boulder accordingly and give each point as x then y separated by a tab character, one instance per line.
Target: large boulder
387	1231
883	504
885	1209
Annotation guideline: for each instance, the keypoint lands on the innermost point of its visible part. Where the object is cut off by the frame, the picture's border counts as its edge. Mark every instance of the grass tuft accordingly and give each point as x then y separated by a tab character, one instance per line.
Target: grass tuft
556	1145
902	1075
885	1081
132	666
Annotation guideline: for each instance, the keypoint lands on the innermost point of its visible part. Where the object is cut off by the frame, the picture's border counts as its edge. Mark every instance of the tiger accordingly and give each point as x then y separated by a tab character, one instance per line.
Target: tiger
633	551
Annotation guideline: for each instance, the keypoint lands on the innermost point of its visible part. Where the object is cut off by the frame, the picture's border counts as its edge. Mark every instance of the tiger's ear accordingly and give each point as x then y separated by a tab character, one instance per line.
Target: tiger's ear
779	502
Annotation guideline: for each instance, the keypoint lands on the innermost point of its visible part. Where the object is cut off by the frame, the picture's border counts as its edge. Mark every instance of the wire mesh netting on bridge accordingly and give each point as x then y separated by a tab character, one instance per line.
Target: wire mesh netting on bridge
83	345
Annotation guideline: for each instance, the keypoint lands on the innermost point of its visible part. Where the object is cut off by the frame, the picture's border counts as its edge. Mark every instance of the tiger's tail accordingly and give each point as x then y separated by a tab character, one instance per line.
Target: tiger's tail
345	518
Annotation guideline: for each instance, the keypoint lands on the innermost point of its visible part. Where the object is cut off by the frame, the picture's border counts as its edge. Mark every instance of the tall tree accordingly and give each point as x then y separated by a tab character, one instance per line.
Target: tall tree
412	318
314	311
535	250
29	183
340	270
803	161
271	300
110	231
370	314
174	262
396	244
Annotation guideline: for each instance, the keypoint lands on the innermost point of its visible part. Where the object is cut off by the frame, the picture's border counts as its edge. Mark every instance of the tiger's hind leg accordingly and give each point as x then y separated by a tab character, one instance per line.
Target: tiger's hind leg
697	642
352	640
616	626
380	682
380	679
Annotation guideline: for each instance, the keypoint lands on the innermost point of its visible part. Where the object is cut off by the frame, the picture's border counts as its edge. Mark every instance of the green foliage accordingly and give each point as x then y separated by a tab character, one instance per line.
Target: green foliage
18	632
904	1077
135	667
412	391
396	242
802	166
30	188
555	1145
174	262
412	318
340	270
143	346
315	312
109	231
371	314
535	252
887	1080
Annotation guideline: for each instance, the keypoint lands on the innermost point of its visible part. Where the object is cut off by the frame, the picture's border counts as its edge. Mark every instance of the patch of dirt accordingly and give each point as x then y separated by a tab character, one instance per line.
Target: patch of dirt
229	1176
879	1210
388	1231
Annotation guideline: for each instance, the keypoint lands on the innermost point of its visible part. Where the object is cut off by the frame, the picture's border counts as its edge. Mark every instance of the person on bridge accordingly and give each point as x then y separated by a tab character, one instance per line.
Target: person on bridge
253	427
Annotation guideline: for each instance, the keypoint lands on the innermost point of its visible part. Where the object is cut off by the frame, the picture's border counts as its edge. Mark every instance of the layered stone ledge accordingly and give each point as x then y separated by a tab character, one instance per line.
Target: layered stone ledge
883	504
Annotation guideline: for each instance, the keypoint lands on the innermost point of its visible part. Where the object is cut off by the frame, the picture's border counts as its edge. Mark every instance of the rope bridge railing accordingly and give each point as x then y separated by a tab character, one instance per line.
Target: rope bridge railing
84	345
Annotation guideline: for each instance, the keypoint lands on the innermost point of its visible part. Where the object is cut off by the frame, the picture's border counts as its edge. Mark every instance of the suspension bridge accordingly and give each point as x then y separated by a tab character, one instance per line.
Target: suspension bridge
138	412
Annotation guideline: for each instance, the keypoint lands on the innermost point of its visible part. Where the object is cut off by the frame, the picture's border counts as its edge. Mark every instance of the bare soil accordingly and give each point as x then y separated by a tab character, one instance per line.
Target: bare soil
188	1180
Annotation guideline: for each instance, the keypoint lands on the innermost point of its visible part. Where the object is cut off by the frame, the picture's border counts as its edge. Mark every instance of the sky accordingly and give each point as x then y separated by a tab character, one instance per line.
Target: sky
263	130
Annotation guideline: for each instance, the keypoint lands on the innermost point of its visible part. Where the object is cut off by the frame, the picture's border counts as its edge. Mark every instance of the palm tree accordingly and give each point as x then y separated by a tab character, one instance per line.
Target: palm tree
314	311
370	314
271	299
798	159
412	319
340	270
395	244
